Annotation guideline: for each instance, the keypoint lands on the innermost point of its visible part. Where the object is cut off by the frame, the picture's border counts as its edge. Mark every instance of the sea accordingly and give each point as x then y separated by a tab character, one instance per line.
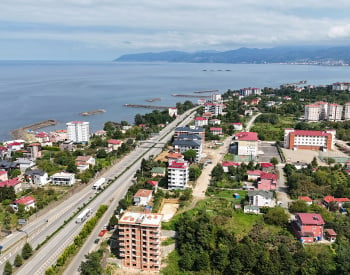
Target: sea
33	91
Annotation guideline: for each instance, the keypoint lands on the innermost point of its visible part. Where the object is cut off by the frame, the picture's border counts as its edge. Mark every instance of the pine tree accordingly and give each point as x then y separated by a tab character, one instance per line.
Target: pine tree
7	268
18	261
27	251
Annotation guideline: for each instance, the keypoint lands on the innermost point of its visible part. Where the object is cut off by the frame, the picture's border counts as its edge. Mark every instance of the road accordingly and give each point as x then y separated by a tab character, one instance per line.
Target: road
282	191
251	121
48	254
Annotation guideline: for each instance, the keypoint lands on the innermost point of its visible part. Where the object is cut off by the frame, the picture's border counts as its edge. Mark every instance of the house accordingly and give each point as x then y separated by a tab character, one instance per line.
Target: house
253	175
4	152
267	184
200	121
63	178
215	121
207	115
251	209
3	175
226	164
175	156
338	201
114	144
172	111
306	199
42	137
308	227
28	202
34	150
266	166
24	164
68	145
58	135
213	108
158	171
178	174
15	183
142	197
261	198
83	162
8	165
330	235
37	177
215	130
14	145
255	101
237	126
247	144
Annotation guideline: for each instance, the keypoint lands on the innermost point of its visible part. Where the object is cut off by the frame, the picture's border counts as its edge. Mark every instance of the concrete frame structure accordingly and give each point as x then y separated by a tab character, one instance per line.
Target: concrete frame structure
78	131
178	174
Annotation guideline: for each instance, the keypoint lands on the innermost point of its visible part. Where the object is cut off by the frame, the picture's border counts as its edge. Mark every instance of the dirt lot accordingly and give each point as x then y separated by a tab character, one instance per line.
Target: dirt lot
169	210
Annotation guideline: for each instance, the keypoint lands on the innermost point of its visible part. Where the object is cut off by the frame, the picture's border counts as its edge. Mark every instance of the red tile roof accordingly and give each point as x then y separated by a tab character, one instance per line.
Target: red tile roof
215	129
41	135
25	200
178	165
266	184
3	173
143	193
10	182
3	148
311	218
310	133
248	136
305	198
329	199
175	156
200	118
236	123
229	163
330	232
254	172
268	176
115	141
153	182
266	164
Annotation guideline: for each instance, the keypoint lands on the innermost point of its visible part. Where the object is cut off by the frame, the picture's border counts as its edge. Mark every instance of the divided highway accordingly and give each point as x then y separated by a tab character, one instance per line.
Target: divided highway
39	229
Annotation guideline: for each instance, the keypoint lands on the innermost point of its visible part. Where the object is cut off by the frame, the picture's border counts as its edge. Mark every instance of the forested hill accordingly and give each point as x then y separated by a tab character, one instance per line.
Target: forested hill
311	55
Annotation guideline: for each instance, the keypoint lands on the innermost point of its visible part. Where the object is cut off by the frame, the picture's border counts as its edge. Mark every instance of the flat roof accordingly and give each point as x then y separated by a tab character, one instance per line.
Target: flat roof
140	218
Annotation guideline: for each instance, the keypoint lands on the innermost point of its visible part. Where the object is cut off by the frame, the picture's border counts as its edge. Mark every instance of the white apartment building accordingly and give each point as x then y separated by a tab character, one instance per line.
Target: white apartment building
335	112
63	178
341	86
247	143
312	112
261	198
213	108
200	121
178	174
324	109
347	111
78	131
216	98
249	91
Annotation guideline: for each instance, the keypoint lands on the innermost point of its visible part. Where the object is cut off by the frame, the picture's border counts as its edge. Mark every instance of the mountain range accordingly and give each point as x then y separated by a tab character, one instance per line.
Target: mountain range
304	55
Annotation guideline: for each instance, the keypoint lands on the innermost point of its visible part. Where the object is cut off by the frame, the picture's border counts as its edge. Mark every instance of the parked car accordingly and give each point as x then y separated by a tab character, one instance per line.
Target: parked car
97	240
103	231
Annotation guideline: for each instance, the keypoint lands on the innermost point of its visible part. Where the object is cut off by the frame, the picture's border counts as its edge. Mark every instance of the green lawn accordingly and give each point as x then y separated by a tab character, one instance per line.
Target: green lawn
242	223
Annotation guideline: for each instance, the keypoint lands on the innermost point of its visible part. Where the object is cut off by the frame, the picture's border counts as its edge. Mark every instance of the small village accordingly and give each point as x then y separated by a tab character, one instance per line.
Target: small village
251	162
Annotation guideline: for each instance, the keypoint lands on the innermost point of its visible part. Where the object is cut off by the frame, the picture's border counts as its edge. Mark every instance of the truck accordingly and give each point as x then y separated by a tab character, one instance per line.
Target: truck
98	184
84	215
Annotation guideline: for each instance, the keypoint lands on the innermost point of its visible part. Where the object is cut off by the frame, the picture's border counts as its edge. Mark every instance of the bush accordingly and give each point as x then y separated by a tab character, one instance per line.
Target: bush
27	251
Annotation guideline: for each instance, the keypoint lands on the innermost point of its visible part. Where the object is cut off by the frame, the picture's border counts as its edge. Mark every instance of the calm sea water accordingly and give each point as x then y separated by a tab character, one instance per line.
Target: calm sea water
36	91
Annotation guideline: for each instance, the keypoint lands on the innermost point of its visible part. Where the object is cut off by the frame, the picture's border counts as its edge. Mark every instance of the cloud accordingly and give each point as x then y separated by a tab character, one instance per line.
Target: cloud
176	24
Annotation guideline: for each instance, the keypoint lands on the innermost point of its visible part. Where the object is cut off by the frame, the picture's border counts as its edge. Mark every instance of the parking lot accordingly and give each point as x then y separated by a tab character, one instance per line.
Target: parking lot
267	151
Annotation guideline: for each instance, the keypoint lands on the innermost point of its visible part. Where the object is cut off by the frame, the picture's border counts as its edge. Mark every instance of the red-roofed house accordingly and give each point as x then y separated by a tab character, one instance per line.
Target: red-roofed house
114	144
254	175
306	199
42	137
330	235
175	156
15	146
172	111
266	184
3	175
216	131
83	162
215	121
339	201
28	202
237	126
247	143
15	183
308	227
200	121
207	115
227	164
266	166
142	197
306	139
255	101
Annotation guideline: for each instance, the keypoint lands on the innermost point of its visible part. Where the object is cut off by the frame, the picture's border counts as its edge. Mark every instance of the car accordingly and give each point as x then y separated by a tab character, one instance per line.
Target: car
96	241
103	231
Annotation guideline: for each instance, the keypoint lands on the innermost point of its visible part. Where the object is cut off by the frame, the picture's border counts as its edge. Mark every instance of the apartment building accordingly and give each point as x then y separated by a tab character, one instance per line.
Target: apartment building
249	91
139	240
200	121
63	178
335	112
347	111
306	139
185	142
312	112
247	143
325	111
213	108
78	131
341	86
178	174
189	130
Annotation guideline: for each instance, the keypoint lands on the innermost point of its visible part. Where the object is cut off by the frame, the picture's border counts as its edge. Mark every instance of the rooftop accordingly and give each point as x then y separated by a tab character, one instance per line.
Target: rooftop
143	193
305	198
311	218
248	136
115	141
143	219
25	200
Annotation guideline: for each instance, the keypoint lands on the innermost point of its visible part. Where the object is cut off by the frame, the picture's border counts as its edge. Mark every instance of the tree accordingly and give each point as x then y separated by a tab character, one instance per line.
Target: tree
314	162
18	261
276	216
7	268
92	265
190	155
101	153
298	206
274	161
13	173
27	251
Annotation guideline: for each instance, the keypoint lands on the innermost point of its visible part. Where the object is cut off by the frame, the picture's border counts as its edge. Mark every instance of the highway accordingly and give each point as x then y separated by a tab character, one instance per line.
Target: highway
48	253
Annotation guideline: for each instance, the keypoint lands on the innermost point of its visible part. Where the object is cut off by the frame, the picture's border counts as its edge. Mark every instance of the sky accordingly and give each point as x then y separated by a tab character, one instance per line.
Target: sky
106	29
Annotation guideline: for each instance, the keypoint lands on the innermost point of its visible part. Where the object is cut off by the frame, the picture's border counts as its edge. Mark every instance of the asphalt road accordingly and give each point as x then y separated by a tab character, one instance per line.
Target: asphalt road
48	254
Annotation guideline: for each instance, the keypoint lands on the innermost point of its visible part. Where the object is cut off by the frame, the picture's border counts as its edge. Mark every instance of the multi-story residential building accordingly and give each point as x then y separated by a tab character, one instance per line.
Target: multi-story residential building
312	112
37	177
306	139
78	131
335	112
178	174
237	125
63	178
323	110
341	86
139	240
247	143
308	227
216	98
15	183
200	121
347	111
172	111
216	130
190	130
249	91
185	142
261	198
213	108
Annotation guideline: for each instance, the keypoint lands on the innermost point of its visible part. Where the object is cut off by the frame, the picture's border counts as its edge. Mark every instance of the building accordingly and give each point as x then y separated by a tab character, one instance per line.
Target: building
327	200
34	150
78	131
200	121
306	199
139	240
307	139
185	142
3	175
215	121
213	108
261	198
308	227
247	144
341	86
312	112
114	144
330	235
63	178
216	131
158	171
178	174
24	164
174	156
37	177
347	111
237	126
142	197
83	162
249	91
226	164
172	111
14	145
15	183
189	130
335	112
28	202
251	209
42	137
323	110
58	135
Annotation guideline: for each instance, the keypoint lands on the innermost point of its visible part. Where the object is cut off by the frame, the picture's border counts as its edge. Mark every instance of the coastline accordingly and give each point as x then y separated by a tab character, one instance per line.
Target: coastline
22	132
